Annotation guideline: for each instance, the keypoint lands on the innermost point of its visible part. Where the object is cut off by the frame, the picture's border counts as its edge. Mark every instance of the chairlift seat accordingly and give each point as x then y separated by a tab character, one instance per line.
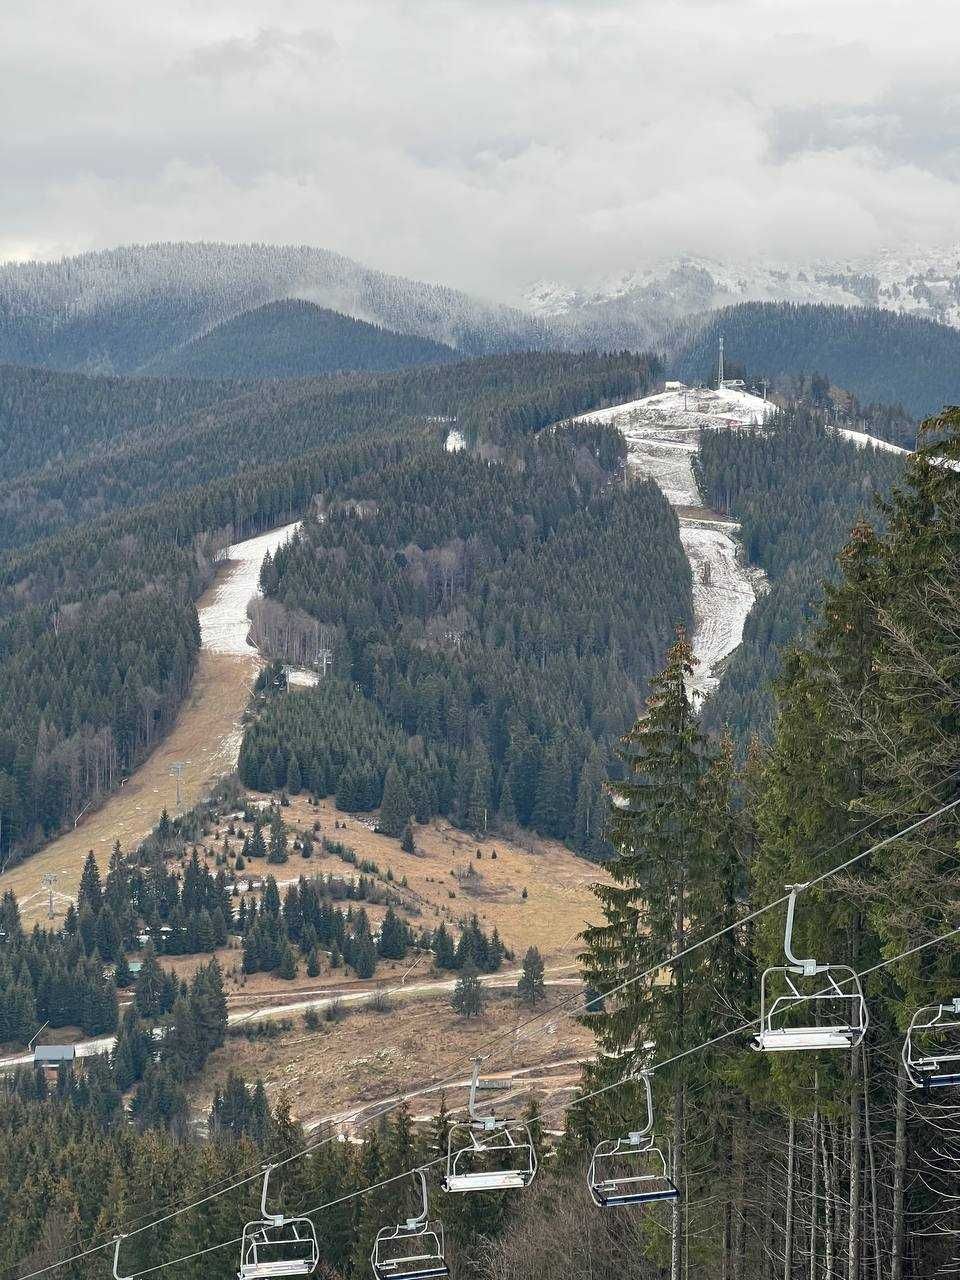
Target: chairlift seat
787	1039
414	1250
495	1180
611	1194
277	1268
294	1239
839	1009
931	1050
632	1170
413	1267
501	1159
942	1081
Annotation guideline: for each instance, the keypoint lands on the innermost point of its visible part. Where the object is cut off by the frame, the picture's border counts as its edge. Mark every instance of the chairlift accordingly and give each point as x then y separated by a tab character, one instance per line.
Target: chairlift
487	1154
274	1245
116	1258
414	1250
839	1010
931	1049
634	1169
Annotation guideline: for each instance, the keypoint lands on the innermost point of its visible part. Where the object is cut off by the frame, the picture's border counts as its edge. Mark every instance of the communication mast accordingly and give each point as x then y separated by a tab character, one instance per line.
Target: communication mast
720	366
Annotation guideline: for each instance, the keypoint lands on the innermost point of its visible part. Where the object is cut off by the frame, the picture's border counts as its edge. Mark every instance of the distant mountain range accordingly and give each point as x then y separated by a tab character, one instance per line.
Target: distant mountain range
651	299
125	310
887	329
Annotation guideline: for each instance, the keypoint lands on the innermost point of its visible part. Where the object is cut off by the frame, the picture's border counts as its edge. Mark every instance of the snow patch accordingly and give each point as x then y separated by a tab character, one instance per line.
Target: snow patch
224	624
864	441
456	442
723	595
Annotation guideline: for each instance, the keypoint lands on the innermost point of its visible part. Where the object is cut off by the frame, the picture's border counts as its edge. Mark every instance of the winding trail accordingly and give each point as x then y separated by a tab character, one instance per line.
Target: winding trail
205	736
662	433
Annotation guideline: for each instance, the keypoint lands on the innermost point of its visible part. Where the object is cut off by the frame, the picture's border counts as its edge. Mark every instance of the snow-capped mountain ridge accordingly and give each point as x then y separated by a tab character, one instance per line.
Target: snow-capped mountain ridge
918	282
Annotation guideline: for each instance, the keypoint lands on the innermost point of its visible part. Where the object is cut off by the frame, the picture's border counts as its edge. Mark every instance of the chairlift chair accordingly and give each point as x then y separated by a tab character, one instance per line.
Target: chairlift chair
116	1258
840	1010
931	1049
634	1169
487	1154
413	1250
275	1246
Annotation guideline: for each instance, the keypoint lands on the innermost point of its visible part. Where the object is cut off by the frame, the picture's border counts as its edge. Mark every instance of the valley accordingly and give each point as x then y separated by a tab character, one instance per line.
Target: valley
394	855
480	641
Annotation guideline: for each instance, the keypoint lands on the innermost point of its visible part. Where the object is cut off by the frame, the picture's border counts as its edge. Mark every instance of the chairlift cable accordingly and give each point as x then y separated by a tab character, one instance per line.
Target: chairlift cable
559	1007
586	1097
759	911
724	1035
363	1191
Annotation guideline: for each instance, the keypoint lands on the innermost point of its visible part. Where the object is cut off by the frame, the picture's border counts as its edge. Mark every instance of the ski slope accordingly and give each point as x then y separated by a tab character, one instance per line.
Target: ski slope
662	435
224	622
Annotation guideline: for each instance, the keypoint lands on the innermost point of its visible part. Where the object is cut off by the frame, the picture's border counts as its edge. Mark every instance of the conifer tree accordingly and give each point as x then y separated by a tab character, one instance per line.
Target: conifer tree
661	877
468	993
395	807
277	854
90	891
148	992
258	847
530	986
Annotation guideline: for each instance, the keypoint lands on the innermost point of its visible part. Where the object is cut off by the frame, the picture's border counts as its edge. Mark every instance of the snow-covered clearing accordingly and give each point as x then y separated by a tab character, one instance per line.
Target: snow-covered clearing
224	624
864	441
724	592
662	432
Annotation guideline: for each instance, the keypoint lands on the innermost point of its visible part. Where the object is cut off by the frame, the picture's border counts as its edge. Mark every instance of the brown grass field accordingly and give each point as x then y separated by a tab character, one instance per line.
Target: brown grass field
342	1071
205	736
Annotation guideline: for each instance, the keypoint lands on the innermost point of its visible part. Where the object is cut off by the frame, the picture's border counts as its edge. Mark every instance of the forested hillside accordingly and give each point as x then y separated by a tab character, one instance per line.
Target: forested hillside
293	339
877	355
783	1163
47	418
829	1152
499	397
118	310
797	488
98	631
507	616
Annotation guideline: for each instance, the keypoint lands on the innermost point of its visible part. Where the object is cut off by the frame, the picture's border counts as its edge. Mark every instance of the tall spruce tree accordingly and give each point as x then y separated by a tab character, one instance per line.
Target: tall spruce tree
662	887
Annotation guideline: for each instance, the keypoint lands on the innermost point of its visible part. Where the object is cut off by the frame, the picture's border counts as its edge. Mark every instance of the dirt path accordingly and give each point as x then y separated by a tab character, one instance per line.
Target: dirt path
205	737
265	1011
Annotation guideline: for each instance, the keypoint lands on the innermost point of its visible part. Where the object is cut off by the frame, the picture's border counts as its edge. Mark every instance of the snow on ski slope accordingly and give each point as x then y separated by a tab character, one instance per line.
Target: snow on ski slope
224	624
724	592
864	441
662	433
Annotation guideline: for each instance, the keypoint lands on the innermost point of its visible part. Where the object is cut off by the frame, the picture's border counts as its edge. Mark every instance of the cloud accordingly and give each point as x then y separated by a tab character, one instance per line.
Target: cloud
483	143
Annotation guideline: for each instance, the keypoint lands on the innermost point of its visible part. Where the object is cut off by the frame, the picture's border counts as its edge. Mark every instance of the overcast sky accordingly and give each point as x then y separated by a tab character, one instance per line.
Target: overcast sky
483	143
